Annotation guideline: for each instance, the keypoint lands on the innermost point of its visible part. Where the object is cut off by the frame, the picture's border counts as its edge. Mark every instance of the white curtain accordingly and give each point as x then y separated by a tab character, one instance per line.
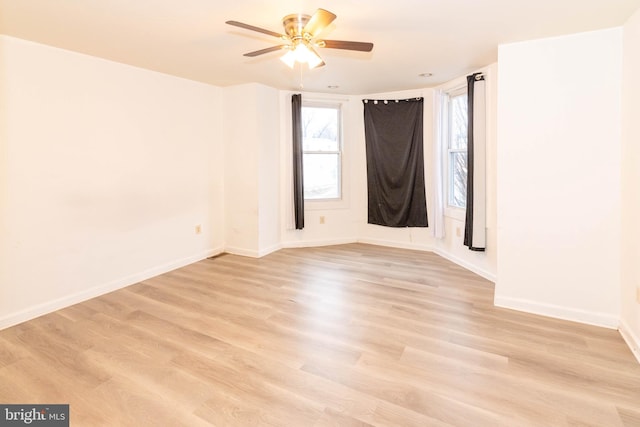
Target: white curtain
437	223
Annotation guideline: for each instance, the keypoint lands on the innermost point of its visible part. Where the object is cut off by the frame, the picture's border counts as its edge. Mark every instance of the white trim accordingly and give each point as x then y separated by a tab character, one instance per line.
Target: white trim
250	253
400	245
462	263
269	250
290	244
342	201
630	338
446	150
314	243
394	244
597	319
559	312
326	204
459	214
66	301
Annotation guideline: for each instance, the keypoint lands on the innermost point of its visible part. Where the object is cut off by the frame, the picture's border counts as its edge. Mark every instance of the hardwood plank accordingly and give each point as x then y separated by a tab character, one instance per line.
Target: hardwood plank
348	335
332	418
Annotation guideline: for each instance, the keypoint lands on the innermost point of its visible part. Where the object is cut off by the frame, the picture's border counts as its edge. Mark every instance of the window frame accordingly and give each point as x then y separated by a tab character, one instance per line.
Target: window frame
334	202
450	210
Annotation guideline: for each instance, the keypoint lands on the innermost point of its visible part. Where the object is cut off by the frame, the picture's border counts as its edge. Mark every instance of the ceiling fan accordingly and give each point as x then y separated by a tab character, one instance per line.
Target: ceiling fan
301	38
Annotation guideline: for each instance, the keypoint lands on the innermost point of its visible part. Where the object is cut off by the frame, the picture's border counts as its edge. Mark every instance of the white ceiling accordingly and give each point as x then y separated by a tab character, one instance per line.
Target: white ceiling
189	38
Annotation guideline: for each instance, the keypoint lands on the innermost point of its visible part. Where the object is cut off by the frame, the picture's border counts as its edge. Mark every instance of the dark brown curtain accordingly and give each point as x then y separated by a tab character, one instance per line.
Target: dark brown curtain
475	219
395	162
298	185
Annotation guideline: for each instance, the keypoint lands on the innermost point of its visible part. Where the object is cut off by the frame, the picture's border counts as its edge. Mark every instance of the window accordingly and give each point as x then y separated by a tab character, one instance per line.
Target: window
456	148
322	151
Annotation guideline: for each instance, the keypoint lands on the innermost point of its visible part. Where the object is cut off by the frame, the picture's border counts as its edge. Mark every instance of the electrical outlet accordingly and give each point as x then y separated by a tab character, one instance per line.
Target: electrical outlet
638	294
198	229
458	232
321	219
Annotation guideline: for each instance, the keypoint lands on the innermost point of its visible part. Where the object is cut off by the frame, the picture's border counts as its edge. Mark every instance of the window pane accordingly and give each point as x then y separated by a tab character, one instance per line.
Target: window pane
459	122
458	179
322	148
320	129
321	175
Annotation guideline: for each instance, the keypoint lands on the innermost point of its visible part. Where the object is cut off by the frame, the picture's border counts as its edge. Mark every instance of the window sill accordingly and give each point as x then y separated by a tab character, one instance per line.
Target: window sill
325	204
458	214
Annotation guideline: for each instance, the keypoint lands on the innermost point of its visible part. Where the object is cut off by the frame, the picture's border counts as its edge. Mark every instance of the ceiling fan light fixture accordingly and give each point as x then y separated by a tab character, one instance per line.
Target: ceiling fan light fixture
300	38
289	58
312	58
302	54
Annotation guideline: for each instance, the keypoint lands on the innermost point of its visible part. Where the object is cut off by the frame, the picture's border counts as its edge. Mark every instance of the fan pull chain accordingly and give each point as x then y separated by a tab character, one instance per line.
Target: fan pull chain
301	85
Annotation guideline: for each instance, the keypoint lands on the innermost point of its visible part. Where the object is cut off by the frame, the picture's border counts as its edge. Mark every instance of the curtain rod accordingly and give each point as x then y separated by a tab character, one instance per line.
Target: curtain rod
386	101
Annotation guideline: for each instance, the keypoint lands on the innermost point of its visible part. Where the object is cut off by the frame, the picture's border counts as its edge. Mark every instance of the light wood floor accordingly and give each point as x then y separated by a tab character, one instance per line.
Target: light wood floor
347	335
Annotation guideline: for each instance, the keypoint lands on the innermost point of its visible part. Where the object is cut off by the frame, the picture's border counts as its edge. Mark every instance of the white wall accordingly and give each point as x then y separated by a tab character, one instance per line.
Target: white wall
4	172
251	126
631	183
105	171
409	237
559	176
241	160
340	224
452	245
269	170
348	221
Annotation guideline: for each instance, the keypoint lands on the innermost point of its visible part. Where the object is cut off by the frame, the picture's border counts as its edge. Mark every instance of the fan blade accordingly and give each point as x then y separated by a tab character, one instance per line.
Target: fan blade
252	28
348	45
263	51
318	22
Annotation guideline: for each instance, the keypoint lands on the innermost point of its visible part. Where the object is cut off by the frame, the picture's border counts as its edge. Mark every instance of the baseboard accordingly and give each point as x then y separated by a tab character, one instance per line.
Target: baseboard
422	247
559	312
316	243
268	250
399	245
630	338
66	301
462	263
250	253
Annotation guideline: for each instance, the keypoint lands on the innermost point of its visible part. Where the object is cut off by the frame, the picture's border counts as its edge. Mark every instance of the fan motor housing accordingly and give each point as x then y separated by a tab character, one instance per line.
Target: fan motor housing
294	24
